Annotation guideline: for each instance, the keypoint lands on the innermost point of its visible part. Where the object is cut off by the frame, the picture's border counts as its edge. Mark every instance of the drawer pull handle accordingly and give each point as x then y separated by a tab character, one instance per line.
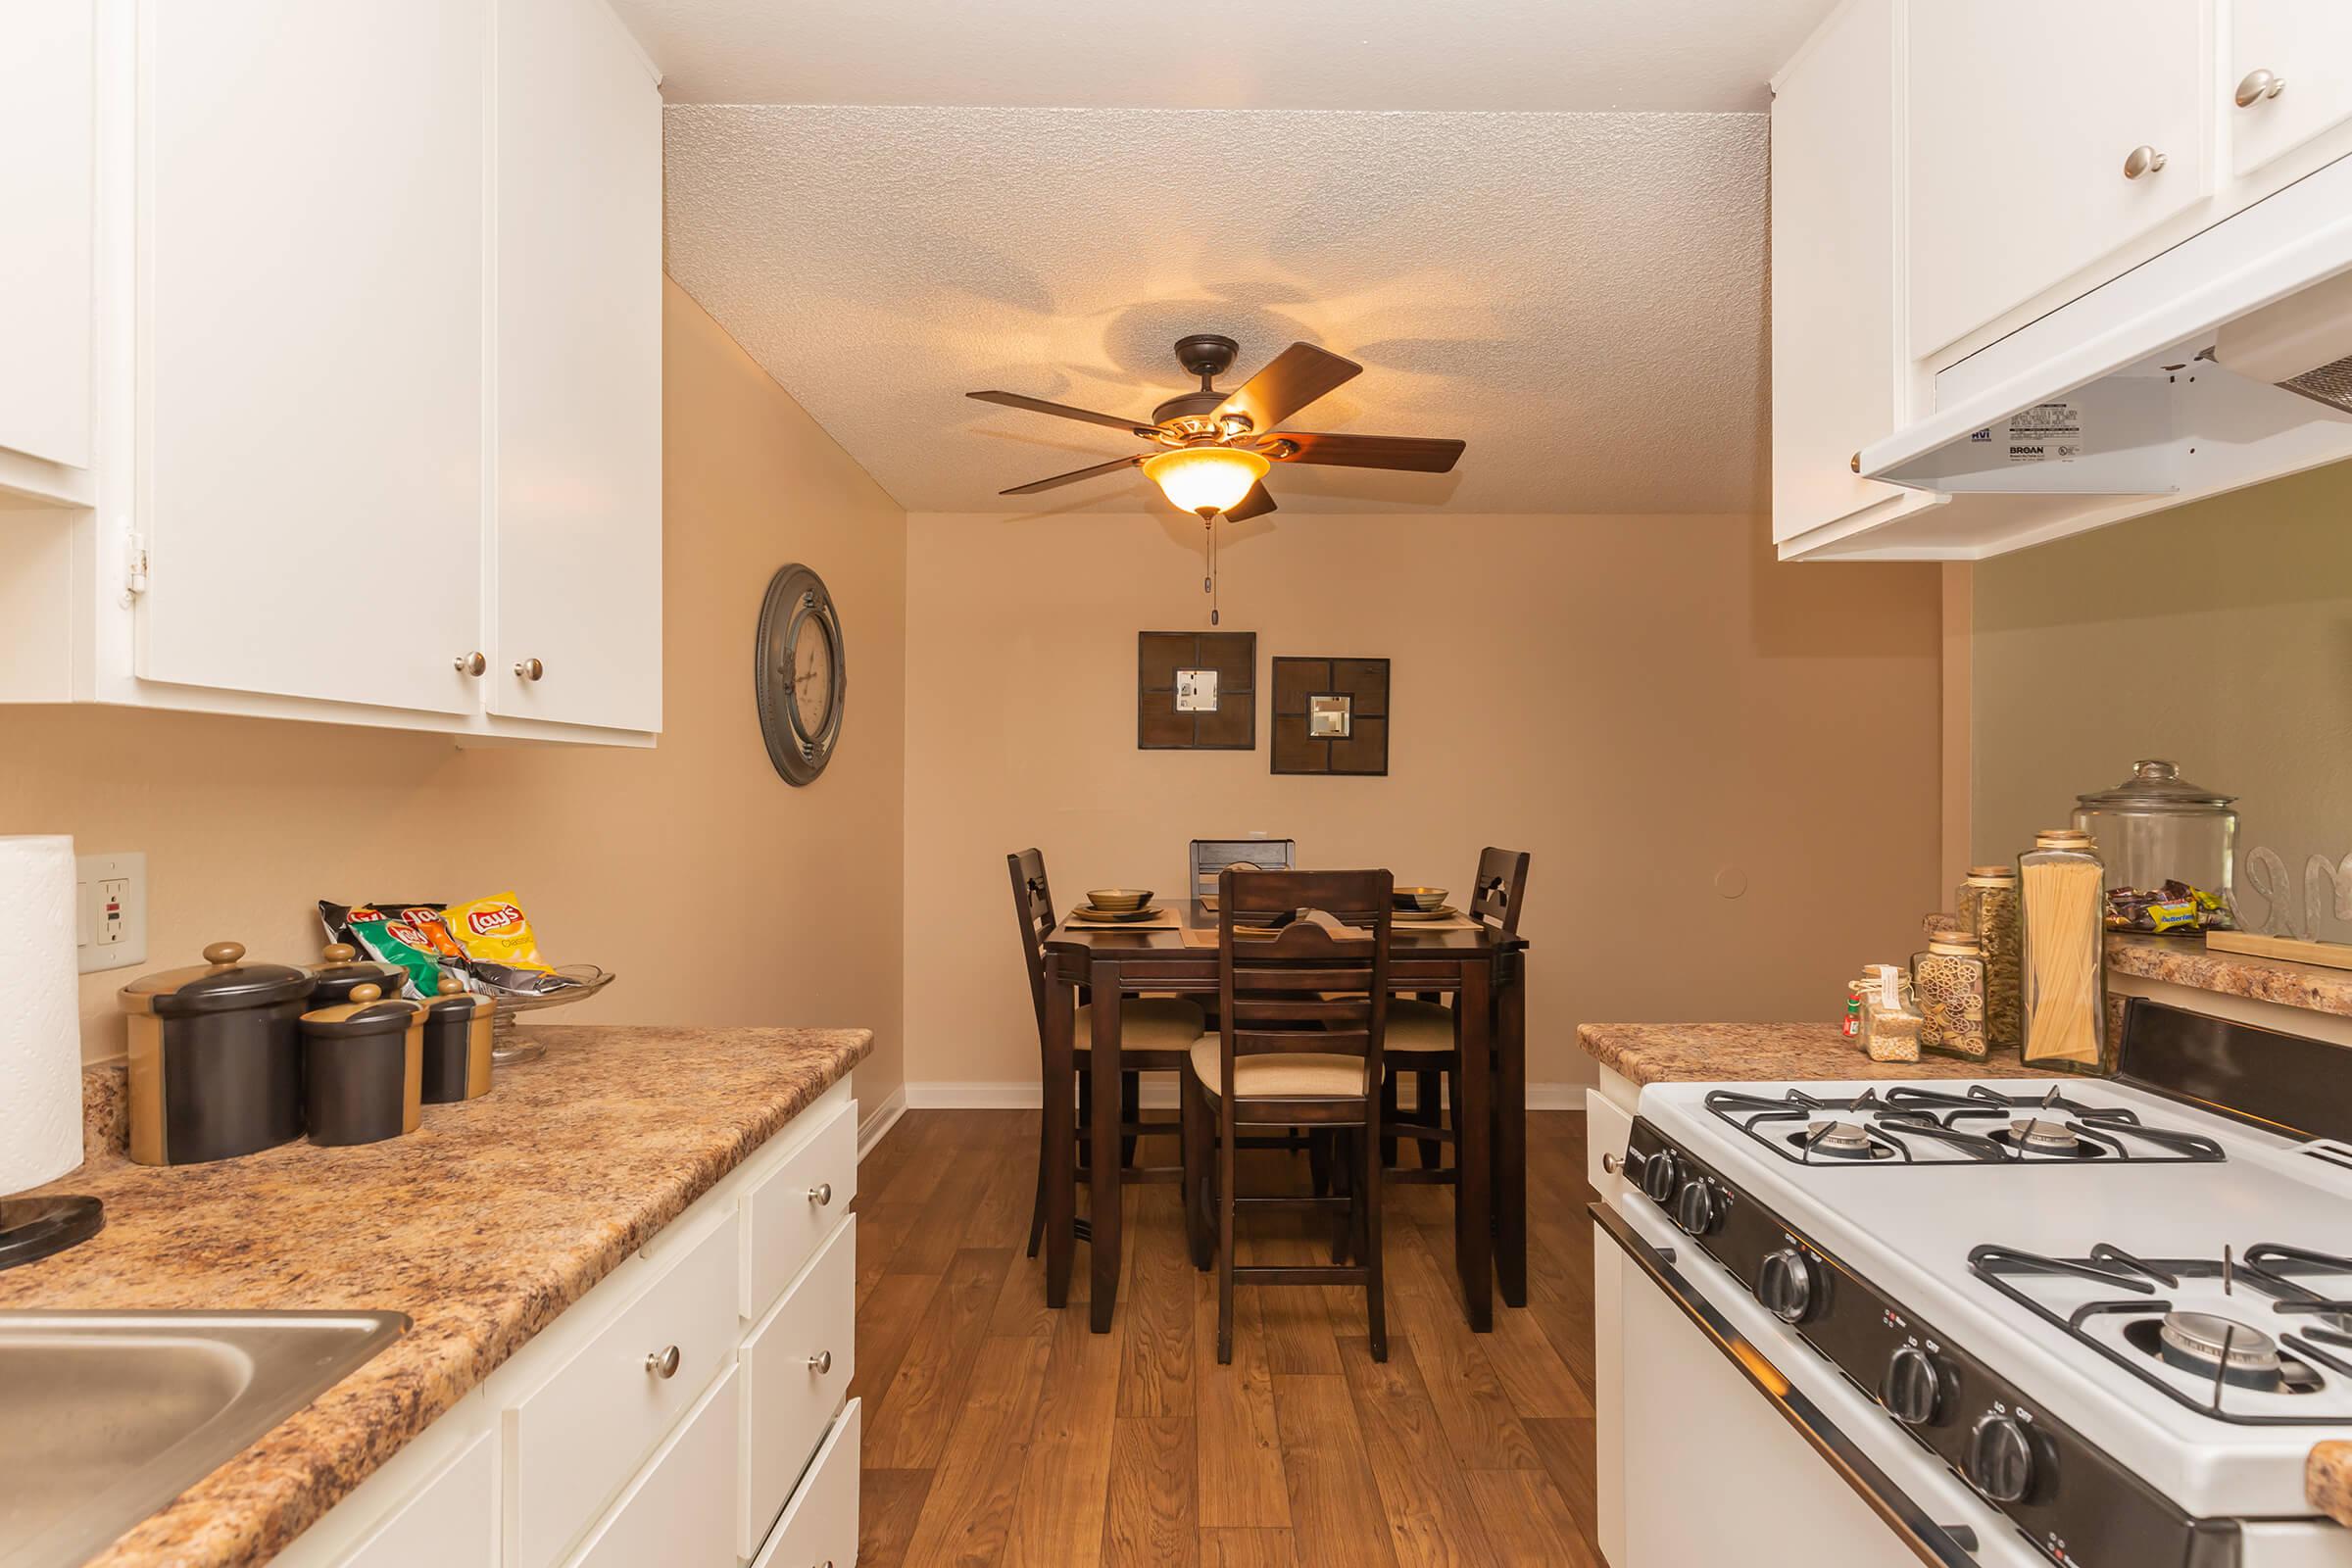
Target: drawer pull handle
821	1362
821	1194
2143	160
664	1364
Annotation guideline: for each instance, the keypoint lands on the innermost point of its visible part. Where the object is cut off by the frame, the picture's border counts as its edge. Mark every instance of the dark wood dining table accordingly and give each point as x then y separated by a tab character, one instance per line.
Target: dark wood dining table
1482	968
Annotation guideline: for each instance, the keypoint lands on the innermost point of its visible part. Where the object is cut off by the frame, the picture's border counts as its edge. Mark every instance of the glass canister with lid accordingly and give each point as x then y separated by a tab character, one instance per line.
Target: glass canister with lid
2169	847
2063	975
1987	903
1949	979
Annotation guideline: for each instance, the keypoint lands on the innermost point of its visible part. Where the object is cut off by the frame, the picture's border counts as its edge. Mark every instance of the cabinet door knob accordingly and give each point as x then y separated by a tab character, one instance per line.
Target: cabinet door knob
821	1362
530	669
2257	87
821	1194
471	663
1608	1164
2142	160
664	1364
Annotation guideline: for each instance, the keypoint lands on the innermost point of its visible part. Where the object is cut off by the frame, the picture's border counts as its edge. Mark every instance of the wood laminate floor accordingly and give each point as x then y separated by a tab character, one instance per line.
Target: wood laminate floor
1000	1433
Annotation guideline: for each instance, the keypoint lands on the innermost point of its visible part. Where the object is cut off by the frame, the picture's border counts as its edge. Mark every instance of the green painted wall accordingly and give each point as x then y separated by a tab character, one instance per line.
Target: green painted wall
2218	635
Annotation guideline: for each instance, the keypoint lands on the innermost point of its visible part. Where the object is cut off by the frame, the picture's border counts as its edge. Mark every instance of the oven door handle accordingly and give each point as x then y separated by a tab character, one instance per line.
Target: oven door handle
1949	1547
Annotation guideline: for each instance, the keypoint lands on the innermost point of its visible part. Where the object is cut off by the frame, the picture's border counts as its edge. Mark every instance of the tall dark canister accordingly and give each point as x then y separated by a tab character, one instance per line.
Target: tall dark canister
364	1068
457	1044
216	1057
344	971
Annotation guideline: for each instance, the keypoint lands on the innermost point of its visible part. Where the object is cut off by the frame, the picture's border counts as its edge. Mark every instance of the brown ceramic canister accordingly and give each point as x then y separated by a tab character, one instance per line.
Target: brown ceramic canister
343	971
216	1057
457	1044
363	1068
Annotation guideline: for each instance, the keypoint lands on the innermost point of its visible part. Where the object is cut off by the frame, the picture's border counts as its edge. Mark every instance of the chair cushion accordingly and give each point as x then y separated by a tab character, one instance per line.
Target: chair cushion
1148	1023
1419	1028
1291	1075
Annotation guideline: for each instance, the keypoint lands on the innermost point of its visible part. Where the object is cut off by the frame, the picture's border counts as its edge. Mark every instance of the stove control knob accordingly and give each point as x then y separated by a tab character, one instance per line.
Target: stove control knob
1695	1209
1661	1175
1787	1285
1913	1388
2000	1460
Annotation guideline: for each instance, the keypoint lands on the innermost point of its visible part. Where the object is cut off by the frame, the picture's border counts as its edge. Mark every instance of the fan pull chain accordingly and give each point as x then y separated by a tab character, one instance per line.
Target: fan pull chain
1208	585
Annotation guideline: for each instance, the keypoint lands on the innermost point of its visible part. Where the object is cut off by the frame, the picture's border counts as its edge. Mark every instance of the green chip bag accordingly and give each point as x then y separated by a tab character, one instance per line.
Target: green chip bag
398	943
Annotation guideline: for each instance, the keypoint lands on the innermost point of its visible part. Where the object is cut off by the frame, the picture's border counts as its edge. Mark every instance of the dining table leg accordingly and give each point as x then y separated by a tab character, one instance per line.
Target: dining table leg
1473	1215
1060	1141
1510	1140
1106	1206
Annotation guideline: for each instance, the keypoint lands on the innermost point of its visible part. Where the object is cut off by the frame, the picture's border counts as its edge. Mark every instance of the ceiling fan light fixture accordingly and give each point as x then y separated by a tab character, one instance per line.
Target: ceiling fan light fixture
1206	479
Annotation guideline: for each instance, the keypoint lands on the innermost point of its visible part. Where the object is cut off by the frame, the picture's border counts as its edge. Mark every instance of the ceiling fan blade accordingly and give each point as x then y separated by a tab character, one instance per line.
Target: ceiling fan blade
1013	400
1414	454
1036	485
1287	383
1256	504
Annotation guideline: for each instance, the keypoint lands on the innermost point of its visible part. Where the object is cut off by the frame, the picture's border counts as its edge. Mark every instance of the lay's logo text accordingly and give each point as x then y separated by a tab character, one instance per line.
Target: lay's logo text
497	918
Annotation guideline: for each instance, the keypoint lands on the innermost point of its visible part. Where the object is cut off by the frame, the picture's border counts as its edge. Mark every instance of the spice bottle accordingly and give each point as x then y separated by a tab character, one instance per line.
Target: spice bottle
2062	895
1889	1024
1949	979
1988	911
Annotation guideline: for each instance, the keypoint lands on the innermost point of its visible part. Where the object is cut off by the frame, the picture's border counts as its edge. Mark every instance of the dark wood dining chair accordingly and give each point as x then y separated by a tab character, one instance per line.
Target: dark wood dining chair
1422	1035
1302	1004
1157	1034
1211	855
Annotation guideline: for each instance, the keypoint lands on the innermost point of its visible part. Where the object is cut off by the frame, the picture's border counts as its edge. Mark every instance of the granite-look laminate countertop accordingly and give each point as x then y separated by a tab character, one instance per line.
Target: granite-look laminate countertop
1707	1053
2308	986
481	1226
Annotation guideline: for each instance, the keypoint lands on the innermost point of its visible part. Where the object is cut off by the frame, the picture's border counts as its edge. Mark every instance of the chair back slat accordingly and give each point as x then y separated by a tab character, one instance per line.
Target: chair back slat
1500	888
1033	905
1211	855
1318	983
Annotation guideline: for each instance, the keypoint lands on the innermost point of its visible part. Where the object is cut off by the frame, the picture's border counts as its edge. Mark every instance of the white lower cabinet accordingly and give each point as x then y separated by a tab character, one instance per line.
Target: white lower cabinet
654	1424
677	1512
452	1522
819	1527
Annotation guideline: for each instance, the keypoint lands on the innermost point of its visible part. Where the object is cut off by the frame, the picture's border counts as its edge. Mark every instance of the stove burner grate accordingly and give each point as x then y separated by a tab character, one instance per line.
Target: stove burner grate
2232	1353
1871	1128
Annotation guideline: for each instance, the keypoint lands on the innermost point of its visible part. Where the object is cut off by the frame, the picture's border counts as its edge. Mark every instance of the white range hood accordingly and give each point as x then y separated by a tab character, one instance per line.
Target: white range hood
2220	362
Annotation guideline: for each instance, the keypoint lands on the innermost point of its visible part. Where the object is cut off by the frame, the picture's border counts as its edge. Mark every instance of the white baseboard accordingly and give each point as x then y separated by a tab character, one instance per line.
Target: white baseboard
1158	1093
881	1120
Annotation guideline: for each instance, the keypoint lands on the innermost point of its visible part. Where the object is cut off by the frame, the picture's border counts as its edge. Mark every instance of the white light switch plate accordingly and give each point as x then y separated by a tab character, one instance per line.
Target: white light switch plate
110	910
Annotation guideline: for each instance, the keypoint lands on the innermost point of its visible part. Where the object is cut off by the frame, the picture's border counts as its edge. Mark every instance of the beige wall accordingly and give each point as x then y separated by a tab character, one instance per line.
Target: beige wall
719	894
2218	635
1639	702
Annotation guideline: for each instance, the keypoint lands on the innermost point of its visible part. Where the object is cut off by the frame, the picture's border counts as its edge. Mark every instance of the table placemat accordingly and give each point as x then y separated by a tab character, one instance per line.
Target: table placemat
1164	921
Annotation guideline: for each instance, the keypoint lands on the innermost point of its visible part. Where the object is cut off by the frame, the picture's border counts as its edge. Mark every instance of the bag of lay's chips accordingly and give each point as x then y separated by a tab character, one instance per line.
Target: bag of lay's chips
495	935
397	937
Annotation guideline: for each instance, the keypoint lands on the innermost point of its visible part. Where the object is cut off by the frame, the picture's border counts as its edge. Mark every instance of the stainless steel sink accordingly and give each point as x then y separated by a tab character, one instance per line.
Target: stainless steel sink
107	1416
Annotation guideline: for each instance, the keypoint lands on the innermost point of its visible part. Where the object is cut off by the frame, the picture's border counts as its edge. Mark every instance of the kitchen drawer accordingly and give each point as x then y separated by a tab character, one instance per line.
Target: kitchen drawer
787	1214
574	1440
1606	1127
819	1527
677	1513
788	1401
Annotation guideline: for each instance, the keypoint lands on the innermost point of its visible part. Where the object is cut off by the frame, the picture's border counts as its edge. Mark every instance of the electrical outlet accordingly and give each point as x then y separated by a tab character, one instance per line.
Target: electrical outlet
110	910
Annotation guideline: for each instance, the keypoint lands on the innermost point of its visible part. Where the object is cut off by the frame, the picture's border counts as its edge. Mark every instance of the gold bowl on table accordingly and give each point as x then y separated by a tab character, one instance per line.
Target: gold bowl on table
1426	899
1118	901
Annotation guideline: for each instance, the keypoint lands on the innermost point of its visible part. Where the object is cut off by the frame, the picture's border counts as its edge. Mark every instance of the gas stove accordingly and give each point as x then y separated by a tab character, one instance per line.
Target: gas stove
2120	1310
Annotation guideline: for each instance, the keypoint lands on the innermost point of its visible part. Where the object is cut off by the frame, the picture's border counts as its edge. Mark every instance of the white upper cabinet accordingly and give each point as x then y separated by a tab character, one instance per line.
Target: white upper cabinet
2288	74
48	109
2042	138
1840	372
352	313
578	433
310	269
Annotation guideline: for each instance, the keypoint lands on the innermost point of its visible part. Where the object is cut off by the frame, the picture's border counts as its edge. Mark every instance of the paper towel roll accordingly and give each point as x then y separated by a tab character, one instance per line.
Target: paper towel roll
40	1014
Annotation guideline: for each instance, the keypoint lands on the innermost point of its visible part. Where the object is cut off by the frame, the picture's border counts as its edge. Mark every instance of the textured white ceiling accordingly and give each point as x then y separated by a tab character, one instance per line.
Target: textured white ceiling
1225	53
1580	297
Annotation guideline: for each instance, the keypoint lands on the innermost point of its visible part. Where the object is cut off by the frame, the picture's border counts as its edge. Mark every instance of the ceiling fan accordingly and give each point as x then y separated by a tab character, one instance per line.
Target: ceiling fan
1216	448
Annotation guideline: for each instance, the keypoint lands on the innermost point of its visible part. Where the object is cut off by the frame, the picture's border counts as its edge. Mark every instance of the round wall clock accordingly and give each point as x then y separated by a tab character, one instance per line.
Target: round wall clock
799	674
